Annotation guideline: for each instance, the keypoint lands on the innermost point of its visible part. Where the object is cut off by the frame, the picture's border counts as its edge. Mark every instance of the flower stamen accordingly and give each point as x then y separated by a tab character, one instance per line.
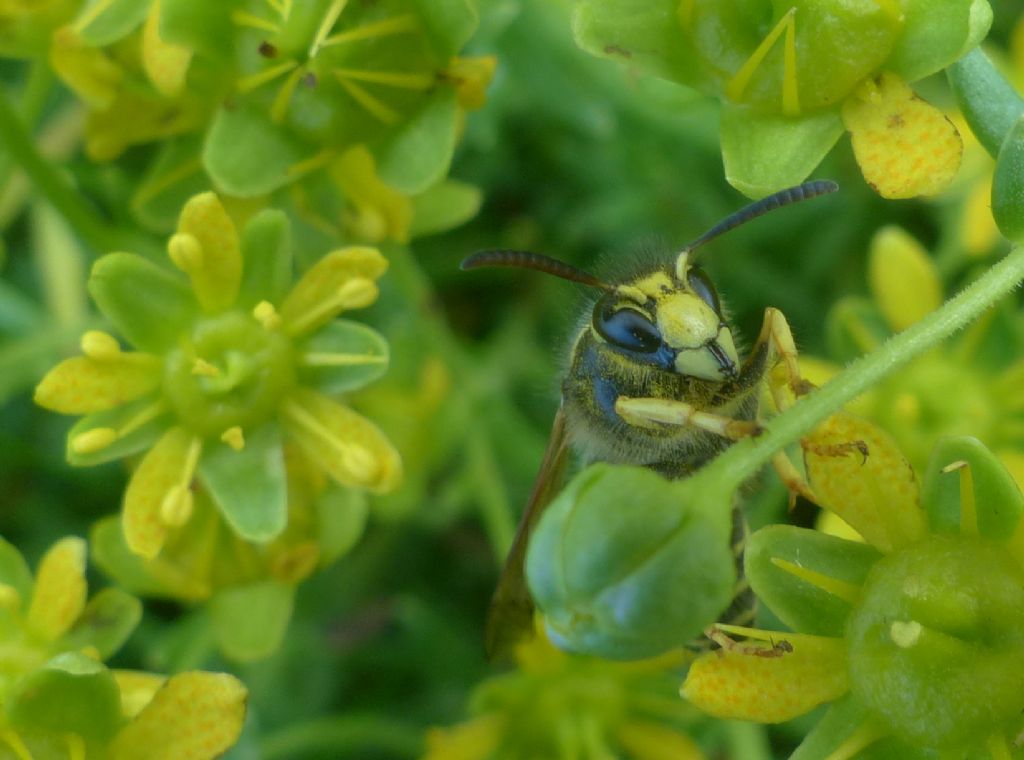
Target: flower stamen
866	735
324	359
396	25
848	592
403	80
279	108
358	460
176	507
251	20
203	368
326	24
790	97
968	507
260	78
373	105
16	744
356	293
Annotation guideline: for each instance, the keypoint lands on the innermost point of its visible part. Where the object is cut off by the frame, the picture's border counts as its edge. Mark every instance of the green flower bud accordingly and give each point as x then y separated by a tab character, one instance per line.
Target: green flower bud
625	564
935	644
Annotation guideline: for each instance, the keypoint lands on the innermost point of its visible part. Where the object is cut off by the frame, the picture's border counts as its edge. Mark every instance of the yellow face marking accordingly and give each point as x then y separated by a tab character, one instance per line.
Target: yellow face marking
685	321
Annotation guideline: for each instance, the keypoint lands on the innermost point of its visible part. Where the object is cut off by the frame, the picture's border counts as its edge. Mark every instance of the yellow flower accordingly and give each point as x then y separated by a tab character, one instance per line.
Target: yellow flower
560	705
968	386
57	697
233	364
915	637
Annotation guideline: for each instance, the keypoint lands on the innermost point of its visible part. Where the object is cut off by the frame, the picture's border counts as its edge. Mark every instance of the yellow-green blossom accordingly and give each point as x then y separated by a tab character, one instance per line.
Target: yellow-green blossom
915	637
246	588
59	700
970	385
234	361
793	76
558	706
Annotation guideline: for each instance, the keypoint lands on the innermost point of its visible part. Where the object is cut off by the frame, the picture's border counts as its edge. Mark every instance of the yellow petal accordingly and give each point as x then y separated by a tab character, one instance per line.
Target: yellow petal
346	445
376	211
168	465
214	259
166	65
315	301
767	684
82	385
857	471
653	741
137	689
832	524
905	147
194	716
93	76
475	739
902	277
60	591
135	117
979	233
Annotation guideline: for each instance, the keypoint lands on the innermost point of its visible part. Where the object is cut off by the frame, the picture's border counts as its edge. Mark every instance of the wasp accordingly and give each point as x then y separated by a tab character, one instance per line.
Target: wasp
654	379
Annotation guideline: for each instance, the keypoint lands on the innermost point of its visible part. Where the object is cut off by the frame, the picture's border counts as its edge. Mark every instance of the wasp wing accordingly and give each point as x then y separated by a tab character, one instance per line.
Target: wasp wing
510	616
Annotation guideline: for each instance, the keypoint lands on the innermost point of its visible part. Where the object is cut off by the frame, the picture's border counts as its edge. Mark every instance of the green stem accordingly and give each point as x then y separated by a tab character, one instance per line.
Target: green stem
744	459
33	97
747	740
344	736
51	183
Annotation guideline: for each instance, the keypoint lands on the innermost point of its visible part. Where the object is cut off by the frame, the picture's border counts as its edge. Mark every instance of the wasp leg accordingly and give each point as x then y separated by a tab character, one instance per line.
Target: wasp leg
785	385
648	412
778	338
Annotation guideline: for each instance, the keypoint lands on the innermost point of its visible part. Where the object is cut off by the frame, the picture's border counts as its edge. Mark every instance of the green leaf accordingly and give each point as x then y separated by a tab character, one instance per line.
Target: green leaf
997	499
447	24
341	515
72	693
149	305
763	154
249	486
936	34
174	176
248	155
14	571
989	103
801	605
115	19
625	564
444	206
642	33
419	153
106	622
203	27
844	719
250	621
267	258
1008	185
139	439
342	356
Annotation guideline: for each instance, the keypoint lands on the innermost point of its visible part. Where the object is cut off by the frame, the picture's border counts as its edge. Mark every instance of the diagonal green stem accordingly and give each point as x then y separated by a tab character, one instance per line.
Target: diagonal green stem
744	459
51	183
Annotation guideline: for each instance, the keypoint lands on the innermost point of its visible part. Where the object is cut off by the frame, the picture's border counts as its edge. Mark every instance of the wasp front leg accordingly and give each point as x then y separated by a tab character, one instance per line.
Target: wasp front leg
782	374
649	412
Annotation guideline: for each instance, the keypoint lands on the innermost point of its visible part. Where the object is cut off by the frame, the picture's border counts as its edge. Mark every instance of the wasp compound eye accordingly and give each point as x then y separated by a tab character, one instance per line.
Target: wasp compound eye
626	328
700	283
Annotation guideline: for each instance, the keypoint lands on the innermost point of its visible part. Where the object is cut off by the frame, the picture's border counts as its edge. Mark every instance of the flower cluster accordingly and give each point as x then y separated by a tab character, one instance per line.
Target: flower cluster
58	698
233	365
559	705
915	637
794	76
915	404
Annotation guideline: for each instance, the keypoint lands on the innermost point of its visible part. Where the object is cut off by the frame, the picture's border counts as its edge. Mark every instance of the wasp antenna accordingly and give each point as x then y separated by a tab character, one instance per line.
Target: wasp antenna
530	260
782	198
